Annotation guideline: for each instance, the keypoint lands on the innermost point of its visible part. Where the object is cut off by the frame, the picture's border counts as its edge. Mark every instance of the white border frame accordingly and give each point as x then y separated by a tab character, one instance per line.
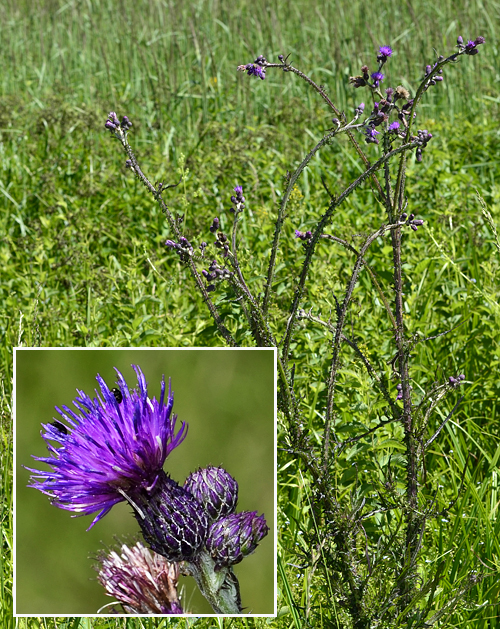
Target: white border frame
275	532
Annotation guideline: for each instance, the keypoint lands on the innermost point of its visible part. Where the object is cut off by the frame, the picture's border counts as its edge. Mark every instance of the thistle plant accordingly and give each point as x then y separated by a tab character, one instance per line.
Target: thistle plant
365	539
113	450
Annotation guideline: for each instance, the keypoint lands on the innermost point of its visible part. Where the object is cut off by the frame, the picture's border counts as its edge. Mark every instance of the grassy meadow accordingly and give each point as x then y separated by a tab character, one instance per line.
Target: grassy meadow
82	246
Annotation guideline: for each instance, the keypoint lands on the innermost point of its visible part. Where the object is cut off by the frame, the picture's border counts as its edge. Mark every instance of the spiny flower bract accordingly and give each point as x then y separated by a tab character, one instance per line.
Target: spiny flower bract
108	451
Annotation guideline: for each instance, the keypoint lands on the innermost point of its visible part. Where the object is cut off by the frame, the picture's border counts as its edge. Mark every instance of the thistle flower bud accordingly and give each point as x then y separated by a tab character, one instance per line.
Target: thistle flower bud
234	537
214	489
173	522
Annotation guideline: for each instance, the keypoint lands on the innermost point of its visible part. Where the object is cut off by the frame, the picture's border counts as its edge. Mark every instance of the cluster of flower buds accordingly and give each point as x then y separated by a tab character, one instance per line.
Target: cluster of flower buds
238	200
455	382
384	52
257	68
306	236
232	536
437	77
410	220
183	248
215	272
470	48
361	80
113	124
215	225
399	387
221	243
423	136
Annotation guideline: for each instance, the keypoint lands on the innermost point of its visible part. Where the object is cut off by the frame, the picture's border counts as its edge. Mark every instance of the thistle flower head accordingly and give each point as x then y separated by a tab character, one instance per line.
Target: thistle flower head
232	538
108	450
143	582
377	78
384	52
215	489
371	135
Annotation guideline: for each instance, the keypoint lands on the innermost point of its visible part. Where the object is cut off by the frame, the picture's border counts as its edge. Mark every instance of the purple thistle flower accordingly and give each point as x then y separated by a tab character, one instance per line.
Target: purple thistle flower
377	77
371	135
215	489
142	581
255	70
470	48
393	127
384	53
303	235
215	225
111	451
232	538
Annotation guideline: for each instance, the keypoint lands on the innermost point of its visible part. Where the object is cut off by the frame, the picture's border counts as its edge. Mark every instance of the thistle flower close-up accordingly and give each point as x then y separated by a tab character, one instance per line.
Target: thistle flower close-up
111	447
109	451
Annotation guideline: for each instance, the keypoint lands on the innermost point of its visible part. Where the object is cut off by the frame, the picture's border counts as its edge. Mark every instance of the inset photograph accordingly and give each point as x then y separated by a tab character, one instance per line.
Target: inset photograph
145	482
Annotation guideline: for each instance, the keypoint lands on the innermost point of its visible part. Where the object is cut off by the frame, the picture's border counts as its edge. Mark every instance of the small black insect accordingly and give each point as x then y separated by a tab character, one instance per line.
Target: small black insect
118	394
60	427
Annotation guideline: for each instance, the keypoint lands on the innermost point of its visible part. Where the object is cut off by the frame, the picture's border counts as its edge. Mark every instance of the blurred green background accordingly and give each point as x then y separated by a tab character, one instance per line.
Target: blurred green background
227	398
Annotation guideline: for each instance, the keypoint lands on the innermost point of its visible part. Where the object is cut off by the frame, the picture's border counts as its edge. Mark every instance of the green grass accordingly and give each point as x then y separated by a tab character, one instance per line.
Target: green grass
82	248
